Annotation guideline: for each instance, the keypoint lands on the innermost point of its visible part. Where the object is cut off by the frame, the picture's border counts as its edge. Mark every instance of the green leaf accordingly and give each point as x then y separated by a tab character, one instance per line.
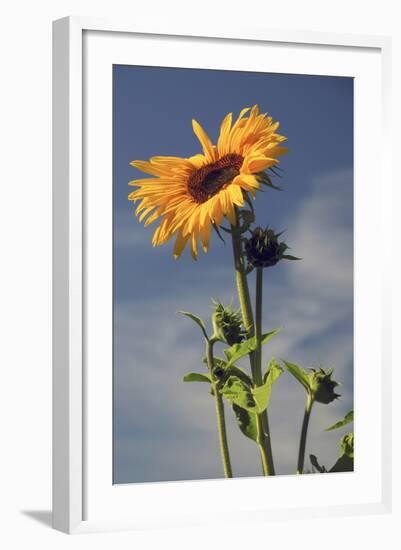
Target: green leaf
246	422
196	377
299	373
230	371
273	371
247	217
262	393
289	257
247	401
349	417
238	393
347	445
343	464
218	361
237	351
316	464
215	227
261	396
250	204
197	320
241	374
346	461
269	335
266	180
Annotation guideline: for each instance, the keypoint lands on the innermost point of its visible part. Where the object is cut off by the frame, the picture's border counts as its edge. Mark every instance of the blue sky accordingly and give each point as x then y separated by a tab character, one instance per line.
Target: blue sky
165	429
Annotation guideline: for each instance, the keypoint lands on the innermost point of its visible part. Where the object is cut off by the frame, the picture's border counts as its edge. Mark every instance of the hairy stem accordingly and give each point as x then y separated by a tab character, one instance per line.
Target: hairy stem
242	283
258	365
258	325
221	422
247	316
304	433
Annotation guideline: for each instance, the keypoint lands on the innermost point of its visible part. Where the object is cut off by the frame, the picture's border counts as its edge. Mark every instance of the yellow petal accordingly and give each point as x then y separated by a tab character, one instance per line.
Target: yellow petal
242	113
151	218
205	235
171	161
205	210
194	220
204	141
240	116
163	233
179	245
198	161
236	194
227	205
255	110
277	151
148	167
216	212
223	142
182	215
145	213
143	204
253	165
194	246
138	183
247	182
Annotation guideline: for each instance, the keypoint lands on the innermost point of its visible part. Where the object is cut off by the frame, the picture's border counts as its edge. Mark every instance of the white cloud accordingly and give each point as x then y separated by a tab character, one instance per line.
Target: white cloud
322	233
316	295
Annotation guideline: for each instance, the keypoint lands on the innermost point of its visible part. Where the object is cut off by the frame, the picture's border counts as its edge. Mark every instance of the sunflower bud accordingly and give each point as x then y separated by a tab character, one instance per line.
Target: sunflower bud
227	325
322	386
218	372
264	250
347	445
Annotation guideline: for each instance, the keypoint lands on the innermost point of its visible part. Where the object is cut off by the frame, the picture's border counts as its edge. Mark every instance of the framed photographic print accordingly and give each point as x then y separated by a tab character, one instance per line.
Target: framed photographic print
219	332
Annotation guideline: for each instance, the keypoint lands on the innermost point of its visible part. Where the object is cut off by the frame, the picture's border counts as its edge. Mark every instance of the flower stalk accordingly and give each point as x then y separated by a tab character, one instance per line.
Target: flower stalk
258	325
242	283
247	315
258	366
221	423
319	386
304	433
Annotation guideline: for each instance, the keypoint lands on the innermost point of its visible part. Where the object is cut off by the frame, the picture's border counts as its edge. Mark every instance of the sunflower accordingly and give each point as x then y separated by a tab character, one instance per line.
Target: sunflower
189	195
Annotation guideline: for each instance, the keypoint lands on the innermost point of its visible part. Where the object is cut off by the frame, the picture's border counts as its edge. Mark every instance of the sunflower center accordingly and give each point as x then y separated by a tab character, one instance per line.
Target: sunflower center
208	180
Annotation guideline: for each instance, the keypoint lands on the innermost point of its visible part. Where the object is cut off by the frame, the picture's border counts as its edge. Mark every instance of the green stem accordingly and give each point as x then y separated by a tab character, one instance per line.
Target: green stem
263	456
258	366
258	324
247	316
304	432
242	283
221	422
268	443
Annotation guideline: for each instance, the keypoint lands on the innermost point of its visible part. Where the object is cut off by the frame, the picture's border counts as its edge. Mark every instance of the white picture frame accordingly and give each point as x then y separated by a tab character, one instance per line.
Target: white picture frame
76	481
